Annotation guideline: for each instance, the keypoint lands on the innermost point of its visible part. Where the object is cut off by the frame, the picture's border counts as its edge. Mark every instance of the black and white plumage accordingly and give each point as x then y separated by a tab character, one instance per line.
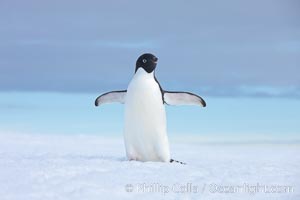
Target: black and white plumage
145	131
173	98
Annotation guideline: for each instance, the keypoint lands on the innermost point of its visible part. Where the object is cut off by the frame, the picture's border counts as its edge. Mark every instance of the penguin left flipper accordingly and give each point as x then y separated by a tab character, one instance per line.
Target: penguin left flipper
183	98
111	97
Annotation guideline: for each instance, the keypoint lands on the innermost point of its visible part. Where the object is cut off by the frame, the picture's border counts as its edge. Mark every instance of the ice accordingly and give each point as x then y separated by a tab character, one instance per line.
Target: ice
91	167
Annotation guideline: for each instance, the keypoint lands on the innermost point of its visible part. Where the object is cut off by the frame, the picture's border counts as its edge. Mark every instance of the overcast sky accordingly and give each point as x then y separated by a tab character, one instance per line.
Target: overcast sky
218	48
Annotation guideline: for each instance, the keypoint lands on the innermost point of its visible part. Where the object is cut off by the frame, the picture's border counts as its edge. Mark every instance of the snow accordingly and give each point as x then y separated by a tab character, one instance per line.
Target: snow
94	167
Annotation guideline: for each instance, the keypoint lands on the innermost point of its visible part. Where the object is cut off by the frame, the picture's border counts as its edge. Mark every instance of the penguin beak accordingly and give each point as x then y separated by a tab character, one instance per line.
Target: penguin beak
155	59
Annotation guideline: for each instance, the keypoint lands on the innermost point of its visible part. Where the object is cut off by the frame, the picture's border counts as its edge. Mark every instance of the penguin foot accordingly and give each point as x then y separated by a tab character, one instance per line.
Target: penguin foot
172	160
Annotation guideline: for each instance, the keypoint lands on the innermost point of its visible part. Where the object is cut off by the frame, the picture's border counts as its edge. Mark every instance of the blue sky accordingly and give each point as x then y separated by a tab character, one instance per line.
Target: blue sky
213	47
220	50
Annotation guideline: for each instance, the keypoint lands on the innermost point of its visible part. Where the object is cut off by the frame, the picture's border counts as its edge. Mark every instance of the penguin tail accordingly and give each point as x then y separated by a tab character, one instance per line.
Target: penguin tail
172	161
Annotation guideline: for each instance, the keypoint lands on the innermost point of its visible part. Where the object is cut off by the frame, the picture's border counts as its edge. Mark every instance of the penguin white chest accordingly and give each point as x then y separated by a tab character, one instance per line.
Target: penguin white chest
145	131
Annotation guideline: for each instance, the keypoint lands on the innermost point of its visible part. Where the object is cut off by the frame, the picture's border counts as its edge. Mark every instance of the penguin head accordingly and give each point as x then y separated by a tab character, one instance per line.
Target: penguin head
146	61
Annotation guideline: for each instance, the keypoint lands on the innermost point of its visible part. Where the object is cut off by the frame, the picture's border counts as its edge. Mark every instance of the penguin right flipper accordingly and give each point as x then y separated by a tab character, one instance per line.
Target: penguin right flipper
111	97
182	98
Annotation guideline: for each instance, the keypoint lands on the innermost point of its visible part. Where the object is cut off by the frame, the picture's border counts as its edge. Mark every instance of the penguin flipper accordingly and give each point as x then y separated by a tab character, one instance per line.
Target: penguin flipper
111	97
183	98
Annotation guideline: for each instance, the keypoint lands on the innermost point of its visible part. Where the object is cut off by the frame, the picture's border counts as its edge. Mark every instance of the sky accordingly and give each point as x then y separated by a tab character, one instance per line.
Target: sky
218	49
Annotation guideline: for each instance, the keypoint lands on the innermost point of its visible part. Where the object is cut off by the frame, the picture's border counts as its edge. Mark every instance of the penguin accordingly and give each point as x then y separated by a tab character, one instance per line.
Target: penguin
145	124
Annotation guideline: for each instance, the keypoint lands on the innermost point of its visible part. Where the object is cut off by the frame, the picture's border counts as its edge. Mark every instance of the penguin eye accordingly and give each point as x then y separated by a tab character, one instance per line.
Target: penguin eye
144	60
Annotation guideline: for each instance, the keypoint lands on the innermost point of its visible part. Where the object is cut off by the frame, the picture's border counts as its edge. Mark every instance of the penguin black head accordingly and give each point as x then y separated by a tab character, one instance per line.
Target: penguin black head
146	61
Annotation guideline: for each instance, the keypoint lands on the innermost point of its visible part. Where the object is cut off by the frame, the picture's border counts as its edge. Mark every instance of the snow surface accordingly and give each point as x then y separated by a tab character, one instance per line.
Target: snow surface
94	167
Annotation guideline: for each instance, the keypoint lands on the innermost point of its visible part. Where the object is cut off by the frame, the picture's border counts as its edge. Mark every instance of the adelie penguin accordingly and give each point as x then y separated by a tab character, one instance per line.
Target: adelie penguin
145	130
